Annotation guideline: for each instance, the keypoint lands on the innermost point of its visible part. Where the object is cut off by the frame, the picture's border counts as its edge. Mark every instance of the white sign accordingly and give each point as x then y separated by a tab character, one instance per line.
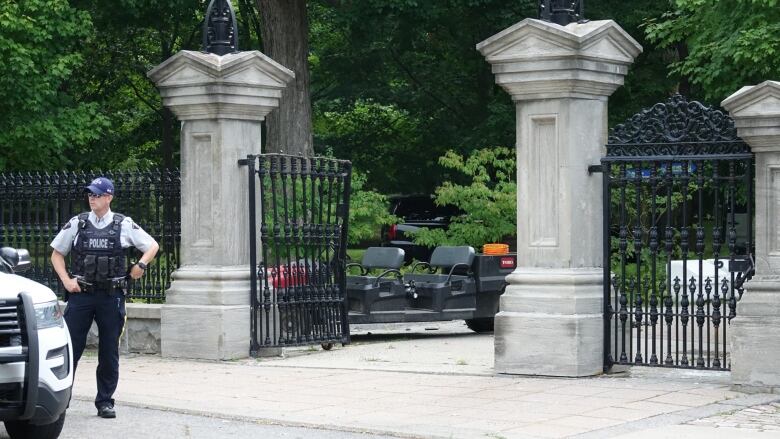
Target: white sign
700	276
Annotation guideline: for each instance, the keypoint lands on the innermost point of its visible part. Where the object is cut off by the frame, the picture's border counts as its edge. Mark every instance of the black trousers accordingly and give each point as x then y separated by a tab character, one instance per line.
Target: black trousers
108	311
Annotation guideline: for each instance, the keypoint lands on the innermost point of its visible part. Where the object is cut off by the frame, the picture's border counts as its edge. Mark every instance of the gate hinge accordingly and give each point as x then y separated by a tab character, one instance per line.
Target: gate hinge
594	168
745	267
243	162
742	264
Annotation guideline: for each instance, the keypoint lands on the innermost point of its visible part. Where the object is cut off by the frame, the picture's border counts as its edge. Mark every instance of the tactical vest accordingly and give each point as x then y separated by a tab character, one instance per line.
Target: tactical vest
98	255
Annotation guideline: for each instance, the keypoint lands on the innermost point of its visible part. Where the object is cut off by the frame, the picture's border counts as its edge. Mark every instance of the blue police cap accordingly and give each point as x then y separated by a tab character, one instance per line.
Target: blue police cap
100	186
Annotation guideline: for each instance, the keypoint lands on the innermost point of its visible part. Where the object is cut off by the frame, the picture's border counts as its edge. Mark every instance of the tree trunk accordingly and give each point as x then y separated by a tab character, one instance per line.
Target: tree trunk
285	34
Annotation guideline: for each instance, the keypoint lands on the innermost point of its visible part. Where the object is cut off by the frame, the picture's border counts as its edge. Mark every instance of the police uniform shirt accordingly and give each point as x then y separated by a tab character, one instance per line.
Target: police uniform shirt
131	236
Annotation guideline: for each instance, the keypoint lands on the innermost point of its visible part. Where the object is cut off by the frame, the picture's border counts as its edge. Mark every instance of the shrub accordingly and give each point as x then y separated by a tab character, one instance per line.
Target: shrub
368	211
488	200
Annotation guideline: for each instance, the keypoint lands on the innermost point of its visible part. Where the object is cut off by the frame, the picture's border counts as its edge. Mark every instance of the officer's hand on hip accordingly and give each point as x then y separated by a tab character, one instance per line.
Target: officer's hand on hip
72	285
136	272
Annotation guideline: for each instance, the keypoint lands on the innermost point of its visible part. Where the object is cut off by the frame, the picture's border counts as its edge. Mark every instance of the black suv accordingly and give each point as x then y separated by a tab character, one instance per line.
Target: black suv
415	211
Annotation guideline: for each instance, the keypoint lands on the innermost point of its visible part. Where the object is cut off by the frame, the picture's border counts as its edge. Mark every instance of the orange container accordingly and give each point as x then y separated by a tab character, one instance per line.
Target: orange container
495	249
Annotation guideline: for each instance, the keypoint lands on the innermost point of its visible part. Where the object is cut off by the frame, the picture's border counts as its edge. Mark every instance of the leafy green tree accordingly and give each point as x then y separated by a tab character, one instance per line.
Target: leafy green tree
648	81
488	200
132	37
368	212
41	115
419	59
380	138
394	83
409	72
730	43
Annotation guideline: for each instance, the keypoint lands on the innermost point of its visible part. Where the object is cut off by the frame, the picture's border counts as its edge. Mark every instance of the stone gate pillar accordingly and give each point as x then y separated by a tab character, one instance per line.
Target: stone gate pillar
221	102
754	334
551	317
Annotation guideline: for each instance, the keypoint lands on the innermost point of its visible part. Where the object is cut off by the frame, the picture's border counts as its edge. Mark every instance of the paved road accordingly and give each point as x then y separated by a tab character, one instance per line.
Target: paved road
141	423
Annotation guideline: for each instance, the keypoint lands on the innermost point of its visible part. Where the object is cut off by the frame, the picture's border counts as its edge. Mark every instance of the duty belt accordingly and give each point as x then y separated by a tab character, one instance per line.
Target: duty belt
104	286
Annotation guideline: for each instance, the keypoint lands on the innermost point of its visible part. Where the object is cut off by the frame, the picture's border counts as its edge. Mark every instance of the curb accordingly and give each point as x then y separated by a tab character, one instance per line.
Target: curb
270	421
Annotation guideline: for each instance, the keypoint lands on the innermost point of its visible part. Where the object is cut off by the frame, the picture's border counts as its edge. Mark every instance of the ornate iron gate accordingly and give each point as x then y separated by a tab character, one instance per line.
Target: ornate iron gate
298	287
678	238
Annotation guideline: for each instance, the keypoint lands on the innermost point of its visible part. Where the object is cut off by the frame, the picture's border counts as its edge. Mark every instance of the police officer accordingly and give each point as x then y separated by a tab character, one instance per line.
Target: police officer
98	240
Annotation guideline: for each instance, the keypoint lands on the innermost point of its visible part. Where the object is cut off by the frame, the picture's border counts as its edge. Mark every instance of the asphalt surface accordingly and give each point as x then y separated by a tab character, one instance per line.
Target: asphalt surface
137	423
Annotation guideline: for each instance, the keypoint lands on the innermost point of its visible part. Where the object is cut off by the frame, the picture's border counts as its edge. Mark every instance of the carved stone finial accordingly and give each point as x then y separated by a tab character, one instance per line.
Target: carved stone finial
562	12
220	32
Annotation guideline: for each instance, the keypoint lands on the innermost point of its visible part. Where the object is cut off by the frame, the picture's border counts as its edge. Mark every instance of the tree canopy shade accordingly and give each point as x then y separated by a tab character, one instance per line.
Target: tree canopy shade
41	114
730	43
397	83
648	81
129	38
394	83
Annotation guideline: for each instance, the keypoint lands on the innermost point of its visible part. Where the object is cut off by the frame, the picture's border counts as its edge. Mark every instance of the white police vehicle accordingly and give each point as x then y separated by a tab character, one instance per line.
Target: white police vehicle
36	355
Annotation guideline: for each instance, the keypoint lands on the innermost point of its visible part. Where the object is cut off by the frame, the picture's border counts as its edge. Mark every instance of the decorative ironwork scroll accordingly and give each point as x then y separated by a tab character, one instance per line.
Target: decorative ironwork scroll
679	122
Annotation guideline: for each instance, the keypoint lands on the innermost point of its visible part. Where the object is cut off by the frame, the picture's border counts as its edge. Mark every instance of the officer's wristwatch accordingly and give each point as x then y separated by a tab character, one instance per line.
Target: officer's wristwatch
141	265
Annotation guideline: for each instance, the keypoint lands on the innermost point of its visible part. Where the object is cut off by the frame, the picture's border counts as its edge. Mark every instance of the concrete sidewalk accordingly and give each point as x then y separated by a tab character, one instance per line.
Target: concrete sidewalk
423	383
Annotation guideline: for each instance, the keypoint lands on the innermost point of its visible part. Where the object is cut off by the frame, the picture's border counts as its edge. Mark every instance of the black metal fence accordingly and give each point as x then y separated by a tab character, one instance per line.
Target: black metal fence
298	289
678	234
34	206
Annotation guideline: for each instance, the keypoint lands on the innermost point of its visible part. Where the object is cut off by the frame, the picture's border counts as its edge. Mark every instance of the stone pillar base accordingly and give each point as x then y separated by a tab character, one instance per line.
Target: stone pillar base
753	337
209	285
211	332
206	313
551	323
269	352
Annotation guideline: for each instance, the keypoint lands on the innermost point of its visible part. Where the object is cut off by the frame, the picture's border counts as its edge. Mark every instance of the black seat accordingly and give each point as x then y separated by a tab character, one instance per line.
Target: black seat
448	284
384	292
388	258
445	259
